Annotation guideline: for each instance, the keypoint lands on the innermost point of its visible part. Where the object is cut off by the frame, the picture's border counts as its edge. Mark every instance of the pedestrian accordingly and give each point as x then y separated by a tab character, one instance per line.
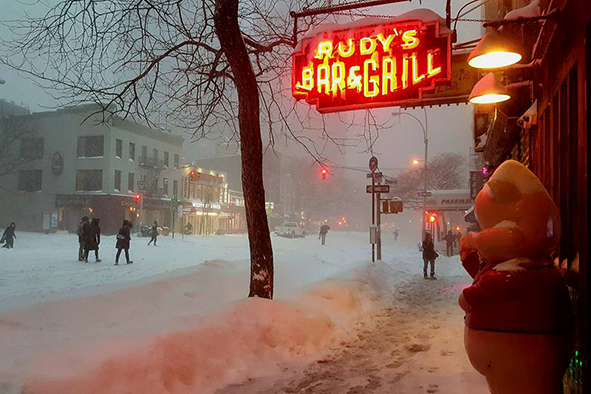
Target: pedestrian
123	241
449	243
154	233
188	229
92	238
458	237
323	231
80	233
429	255
396	235
9	236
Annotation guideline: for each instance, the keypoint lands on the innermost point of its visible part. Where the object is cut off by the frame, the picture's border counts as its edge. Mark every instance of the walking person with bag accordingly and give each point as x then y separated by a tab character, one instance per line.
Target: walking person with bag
92	239
429	256
9	236
80	234
154	233
123	241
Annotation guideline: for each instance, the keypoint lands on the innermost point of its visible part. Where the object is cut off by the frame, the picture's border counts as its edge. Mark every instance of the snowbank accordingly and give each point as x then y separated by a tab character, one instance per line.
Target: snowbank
245	340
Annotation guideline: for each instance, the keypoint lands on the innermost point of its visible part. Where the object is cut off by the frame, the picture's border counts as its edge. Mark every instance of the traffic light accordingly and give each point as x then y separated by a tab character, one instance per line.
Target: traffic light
432	218
323	172
138	199
193	175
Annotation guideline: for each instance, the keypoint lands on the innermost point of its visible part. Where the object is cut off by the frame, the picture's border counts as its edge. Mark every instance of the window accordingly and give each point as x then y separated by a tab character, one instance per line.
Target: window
30	180
175	188
165	186
31	148
166	159
131	151
176	162
117	186
144	151
90	146
130	182
119	148
89	180
155	155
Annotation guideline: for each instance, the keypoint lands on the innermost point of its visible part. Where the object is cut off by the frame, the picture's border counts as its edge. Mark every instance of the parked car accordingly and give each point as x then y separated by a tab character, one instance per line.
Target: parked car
163	230
145	231
290	230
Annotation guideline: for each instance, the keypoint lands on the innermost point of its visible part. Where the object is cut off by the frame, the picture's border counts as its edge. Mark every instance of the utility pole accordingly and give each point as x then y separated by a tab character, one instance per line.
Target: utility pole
373	213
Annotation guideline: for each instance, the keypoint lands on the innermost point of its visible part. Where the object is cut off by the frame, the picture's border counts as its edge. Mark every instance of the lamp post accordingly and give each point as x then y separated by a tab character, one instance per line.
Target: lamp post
425	128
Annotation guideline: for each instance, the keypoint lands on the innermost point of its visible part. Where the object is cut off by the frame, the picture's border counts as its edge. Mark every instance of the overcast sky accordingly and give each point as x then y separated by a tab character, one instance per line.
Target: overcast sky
450	127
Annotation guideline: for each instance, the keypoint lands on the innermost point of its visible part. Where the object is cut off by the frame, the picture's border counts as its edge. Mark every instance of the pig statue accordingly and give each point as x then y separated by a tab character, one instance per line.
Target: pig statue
518	324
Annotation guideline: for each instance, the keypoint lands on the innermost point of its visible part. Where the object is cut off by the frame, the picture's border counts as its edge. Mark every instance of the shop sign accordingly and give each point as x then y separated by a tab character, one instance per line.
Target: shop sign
451	200
375	65
199	204
71	201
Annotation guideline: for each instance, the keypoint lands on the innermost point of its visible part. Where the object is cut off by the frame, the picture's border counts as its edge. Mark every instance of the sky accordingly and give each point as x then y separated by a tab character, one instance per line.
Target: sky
449	127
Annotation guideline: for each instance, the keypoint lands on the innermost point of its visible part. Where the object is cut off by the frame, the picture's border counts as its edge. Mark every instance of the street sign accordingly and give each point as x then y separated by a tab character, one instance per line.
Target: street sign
174	203
424	194
373	164
377	175
378	189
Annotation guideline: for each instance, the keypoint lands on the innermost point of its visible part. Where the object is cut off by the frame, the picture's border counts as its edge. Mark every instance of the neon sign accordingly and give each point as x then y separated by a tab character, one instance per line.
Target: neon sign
371	66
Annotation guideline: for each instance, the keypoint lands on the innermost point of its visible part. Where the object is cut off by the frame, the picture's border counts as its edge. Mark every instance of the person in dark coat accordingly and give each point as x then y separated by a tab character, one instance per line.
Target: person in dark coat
92	238
429	255
9	236
123	241
323	231
80	233
154	233
449	243
396	235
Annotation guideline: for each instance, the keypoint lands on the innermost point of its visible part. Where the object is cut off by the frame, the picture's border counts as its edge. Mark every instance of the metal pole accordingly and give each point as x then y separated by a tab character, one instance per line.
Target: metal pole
373	214
378	224
425	162
173	215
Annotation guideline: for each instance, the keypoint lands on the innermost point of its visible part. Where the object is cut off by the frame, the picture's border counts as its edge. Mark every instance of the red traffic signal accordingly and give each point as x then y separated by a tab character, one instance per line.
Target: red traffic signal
323	172
137	198
193	175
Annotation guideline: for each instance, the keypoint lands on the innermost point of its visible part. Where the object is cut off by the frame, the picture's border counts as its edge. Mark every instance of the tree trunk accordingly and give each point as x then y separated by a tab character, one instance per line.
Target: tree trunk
251	147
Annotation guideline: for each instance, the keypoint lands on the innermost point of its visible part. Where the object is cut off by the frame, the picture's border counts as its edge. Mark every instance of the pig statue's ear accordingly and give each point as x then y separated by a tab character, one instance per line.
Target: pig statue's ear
502	192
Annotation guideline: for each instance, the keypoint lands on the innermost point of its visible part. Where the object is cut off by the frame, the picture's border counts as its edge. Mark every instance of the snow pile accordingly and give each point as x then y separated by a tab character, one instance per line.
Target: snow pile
245	340
240	342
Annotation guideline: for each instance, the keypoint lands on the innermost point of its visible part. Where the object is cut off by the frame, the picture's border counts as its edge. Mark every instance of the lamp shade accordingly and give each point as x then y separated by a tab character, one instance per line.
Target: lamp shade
488	91
494	50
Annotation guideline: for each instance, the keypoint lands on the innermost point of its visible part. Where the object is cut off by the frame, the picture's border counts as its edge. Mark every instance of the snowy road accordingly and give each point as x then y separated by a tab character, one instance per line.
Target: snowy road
178	315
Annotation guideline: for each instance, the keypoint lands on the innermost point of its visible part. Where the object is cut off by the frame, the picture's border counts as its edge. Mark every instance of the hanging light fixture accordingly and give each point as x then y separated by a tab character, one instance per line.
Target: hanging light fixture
494	50
489	91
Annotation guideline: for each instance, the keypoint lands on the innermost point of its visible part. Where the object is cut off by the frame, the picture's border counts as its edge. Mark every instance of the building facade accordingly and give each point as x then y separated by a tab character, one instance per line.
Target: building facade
545	126
77	165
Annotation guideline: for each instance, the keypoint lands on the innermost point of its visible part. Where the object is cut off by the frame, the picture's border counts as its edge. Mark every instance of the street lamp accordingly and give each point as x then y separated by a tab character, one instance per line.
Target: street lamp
416	162
425	128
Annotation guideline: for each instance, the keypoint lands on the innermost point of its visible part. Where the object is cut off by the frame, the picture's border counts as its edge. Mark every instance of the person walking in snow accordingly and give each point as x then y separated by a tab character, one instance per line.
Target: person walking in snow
154	233
92	238
123	241
80	233
396	235
9	236
449	243
429	255
323	231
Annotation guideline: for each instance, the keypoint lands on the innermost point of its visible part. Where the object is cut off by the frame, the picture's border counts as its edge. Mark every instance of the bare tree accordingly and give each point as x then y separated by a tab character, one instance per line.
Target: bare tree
200	65
446	171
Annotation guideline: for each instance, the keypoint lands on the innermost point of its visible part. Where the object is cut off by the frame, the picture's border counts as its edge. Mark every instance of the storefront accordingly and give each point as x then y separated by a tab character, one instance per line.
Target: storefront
111	209
206	219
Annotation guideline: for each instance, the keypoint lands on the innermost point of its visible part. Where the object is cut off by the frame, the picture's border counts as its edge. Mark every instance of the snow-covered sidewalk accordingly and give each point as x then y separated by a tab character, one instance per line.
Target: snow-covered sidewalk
177	320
